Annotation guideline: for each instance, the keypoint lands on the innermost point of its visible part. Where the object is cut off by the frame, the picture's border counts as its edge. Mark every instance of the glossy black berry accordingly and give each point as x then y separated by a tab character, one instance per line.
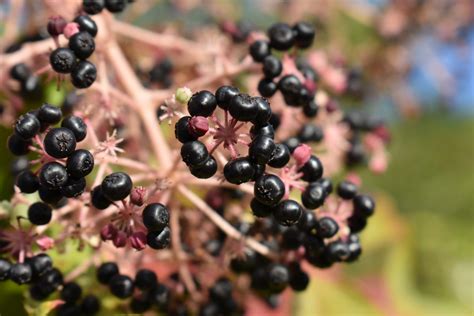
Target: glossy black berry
121	286
53	175
261	149
355	251
194	153
74	187
281	36
20	273
71	292
259	50
304	34
326	184
159	239
337	251
292	238
59	142
27	126
49	114
39	213
20	72
356	223
288	212
82	44
202	103
243	107
80	163
280	156
76	125
67	309
278	277
327	227
86	24
262	130
145	279
40	264
239	170
27	182
155	216
312	170
115	6
90	305
259	209
51	280
299	280
5	267
364	205
51	196
269	189
83	74
92	6
245	263
206	170
182	131
346	190
310	109
290	87
117	186
267	87
272	66
310	133
264	111
259	170
224	94
140	304
98	199
313	196
308	223
62	60
106	272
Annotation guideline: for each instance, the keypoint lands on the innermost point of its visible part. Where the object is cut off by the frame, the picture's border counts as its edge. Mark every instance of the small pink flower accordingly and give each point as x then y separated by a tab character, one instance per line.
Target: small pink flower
198	125
138	195
301	154
45	243
70	29
108	232
138	240
120	239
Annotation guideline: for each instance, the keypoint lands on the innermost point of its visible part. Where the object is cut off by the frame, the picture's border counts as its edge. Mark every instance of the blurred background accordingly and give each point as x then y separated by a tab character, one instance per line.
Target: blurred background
413	66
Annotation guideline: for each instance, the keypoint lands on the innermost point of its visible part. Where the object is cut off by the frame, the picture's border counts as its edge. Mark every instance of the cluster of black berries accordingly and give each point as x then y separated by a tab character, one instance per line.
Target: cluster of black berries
73	60
44	280
239	31
64	168
23	74
155	218
115	187
96	6
145	288
308	133
161	73
359	124
282	37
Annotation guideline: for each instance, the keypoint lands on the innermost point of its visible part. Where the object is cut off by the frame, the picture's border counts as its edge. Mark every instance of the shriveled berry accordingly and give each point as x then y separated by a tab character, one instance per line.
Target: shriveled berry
194	153
224	94
267	87
281	36
27	126
59	142
159	239
239	170
269	189
53	175
80	163
280	156
202	103
83	74
39	213
121	286
288	212
76	125
272	66
27	182
155	216
117	186
243	107
62	60
82	44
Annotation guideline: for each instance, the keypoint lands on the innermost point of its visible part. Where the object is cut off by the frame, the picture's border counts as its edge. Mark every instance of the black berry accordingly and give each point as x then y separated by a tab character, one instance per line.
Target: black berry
76	125
145	279
243	107
259	209
80	163
5	267
224	94
92	6
83	74
267	87
239	170
121	286
155	216
364	205
327	227
280	156
206	170
74	187
62	60
27	126
347	190
259	50
272	67
202	103
159	239
21	273
312	169
86	24
53	175
117	186
98	199
39	213
115	6
194	153
27	182
90	305
59	142
313	196
20	72
304	34
288	212
82	44
71	292
106	272
269	189
281	36
261	149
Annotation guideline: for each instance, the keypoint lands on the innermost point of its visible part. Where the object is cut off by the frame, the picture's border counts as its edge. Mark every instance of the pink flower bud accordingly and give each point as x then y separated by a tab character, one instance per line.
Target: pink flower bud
45	243
120	239
56	25
138	240
332	106
70	29
108	232
354	178
198	126
301	154
383	133
138	195
310	86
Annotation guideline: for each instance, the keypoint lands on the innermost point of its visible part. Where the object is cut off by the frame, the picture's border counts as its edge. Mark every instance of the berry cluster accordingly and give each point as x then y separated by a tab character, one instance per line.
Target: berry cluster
96	6
63	168
73	59
44	280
